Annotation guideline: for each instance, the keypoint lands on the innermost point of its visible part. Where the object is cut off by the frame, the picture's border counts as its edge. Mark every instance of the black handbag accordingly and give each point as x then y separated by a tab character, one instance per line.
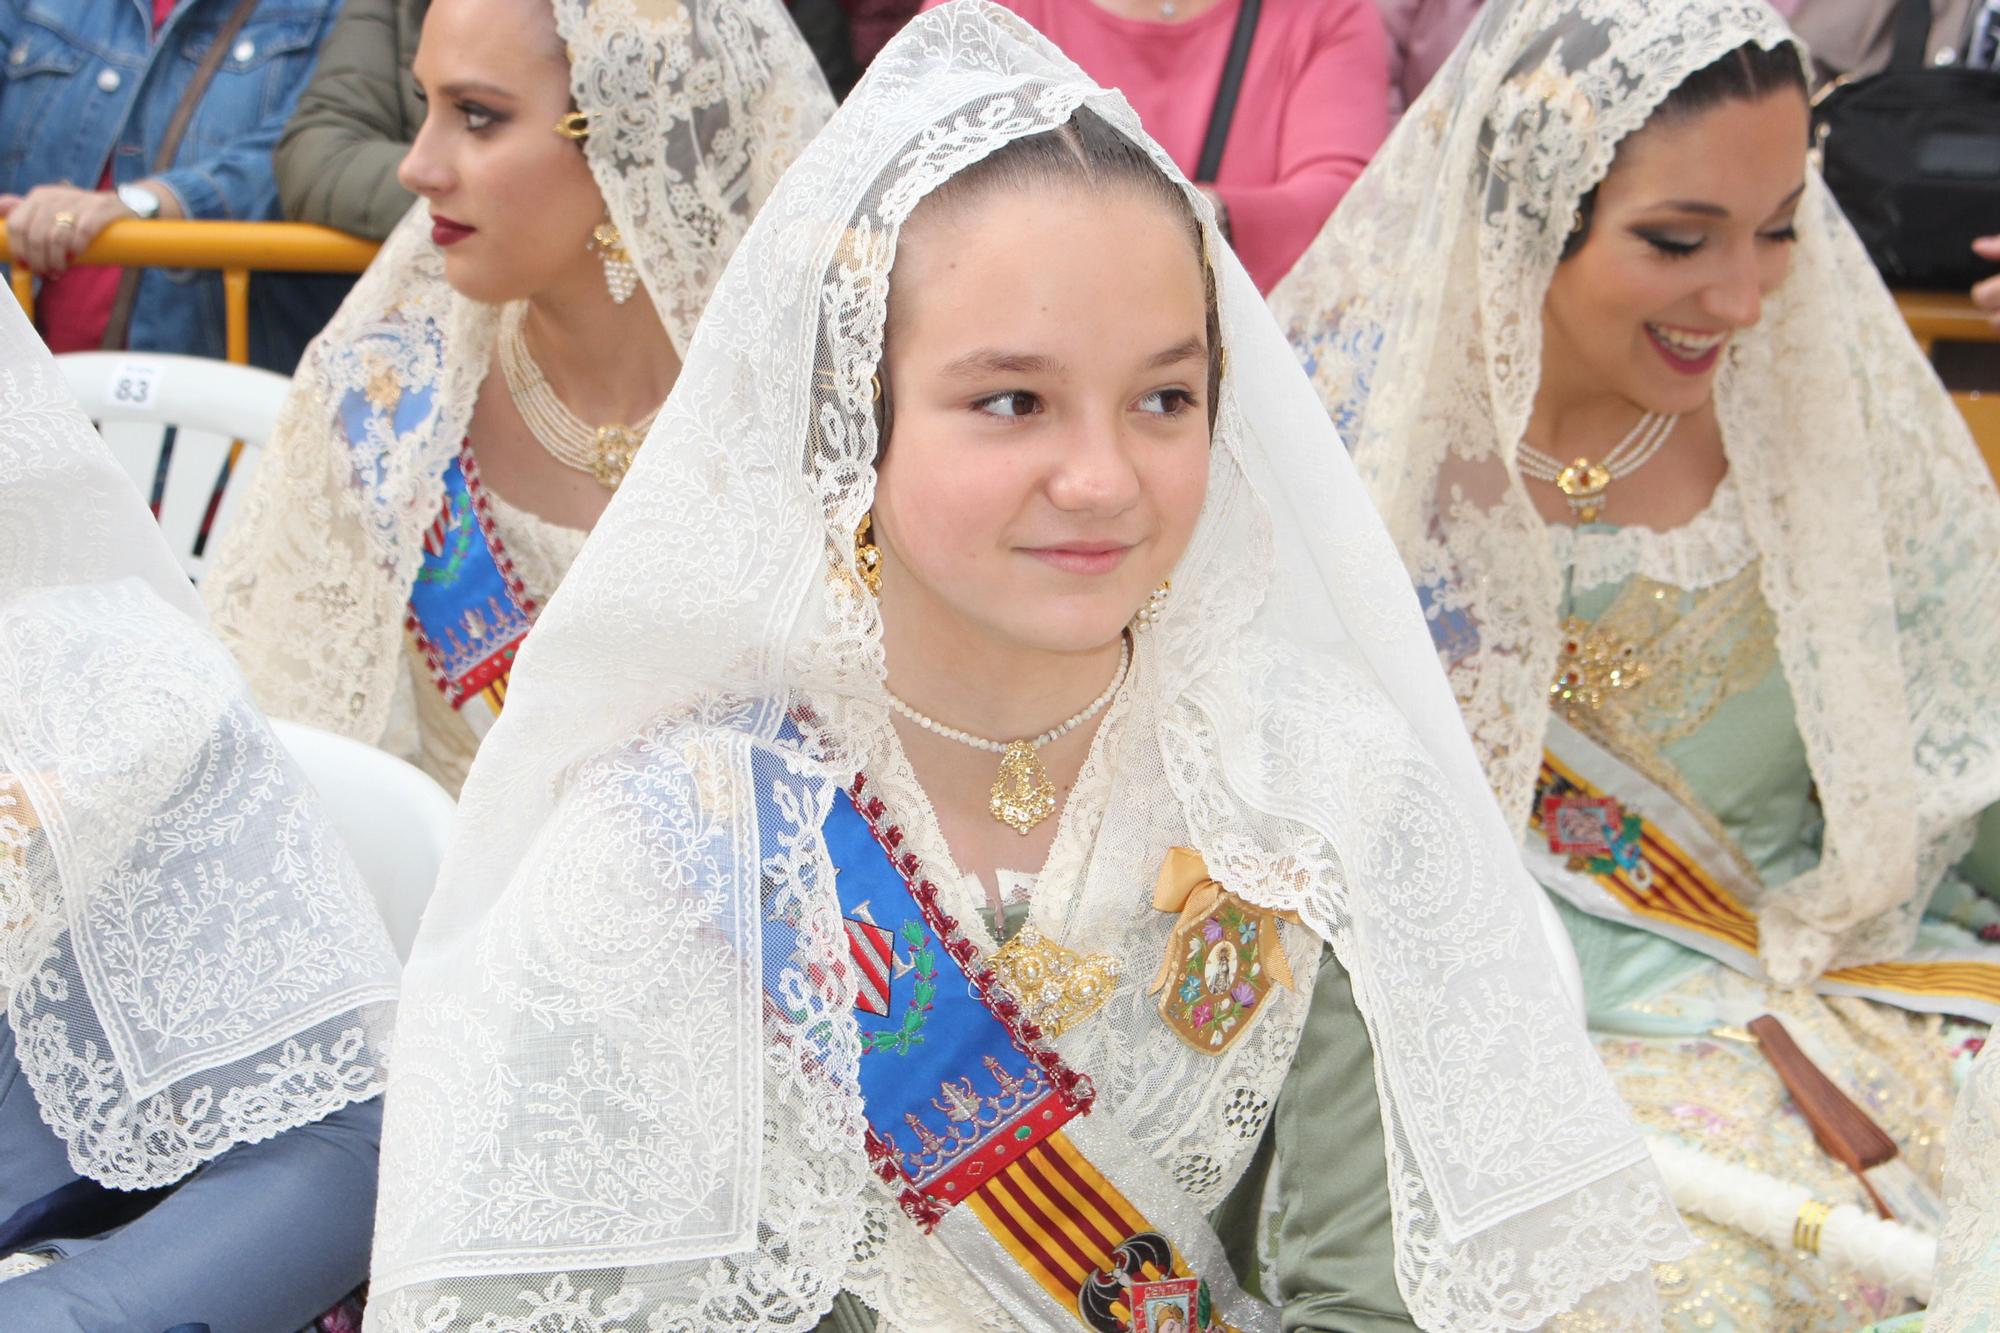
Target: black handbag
1912	154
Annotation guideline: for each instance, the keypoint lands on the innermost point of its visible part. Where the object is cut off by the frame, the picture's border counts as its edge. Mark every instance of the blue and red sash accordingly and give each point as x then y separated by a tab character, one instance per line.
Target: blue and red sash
468	609
968	1104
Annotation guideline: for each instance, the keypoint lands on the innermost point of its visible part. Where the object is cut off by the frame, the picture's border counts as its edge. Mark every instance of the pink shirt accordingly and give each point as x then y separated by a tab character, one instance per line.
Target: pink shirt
1422	36
1313	110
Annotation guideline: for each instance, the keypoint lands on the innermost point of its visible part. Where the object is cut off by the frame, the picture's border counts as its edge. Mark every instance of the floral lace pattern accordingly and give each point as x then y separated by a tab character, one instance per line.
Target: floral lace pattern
1710	548
190	959
1417	312
628	1023
1966	1298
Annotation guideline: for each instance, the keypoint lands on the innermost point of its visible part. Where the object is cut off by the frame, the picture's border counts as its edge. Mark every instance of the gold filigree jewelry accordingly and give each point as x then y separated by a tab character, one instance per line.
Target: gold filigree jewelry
868	556
605	452
1023	794
1584	482
619	274
1057	987
574	125
1592	665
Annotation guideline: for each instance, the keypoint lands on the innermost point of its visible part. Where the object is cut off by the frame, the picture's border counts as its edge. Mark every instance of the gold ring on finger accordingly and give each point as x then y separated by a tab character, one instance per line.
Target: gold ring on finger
65	220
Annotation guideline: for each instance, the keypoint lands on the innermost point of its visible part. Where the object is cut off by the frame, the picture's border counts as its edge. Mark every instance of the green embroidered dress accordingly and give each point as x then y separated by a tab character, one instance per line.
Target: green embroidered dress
1708	716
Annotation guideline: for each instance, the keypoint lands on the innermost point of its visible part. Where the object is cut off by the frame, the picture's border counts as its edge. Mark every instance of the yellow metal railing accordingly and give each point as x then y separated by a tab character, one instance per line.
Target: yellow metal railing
239	248
1936	317
235	248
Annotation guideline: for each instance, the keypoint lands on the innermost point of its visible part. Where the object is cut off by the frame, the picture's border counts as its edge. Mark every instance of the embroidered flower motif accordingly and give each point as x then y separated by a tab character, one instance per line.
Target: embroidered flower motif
1190	991
1203	1012
1244	994
1211	930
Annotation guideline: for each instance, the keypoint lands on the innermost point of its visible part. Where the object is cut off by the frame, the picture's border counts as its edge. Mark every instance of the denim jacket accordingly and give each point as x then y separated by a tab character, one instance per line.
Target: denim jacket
83	83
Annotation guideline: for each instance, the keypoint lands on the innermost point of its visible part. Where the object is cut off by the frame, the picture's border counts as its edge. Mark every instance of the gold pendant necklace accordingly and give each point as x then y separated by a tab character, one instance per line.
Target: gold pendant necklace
1583	482
1023	793
605	452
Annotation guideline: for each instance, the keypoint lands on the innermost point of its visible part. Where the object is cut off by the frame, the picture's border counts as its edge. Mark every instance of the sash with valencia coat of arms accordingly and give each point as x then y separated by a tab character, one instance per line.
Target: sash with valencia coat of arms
984	1133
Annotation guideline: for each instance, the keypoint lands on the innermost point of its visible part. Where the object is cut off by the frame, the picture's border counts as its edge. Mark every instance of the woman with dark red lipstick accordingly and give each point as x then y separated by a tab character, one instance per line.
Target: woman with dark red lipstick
1709	558
585	171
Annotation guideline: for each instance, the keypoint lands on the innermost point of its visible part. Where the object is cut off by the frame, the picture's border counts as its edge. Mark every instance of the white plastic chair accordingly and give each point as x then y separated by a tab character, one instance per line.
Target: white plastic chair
136	398
394	818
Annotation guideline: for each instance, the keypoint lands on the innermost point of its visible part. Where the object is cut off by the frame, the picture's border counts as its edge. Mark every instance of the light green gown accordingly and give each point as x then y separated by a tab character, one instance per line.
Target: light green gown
1713	720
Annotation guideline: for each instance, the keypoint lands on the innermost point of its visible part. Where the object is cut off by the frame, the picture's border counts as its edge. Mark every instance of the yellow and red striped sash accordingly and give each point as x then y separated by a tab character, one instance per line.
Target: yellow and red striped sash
1072	1231
1667	885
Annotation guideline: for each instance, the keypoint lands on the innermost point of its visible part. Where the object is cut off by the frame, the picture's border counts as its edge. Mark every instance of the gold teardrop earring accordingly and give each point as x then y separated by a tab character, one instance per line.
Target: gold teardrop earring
868	556
619	274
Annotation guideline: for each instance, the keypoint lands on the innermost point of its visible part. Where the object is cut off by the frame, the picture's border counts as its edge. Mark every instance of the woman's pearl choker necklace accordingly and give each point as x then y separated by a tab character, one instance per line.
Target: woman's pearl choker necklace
1023	794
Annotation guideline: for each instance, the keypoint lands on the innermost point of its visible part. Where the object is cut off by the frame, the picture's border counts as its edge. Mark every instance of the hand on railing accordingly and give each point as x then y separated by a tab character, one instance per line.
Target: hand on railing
1987	294
52	224
236	249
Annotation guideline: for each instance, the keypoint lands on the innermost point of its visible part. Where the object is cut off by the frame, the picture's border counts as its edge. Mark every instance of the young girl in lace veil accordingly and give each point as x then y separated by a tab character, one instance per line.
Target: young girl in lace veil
586	168
198	990
750	1000
1708	555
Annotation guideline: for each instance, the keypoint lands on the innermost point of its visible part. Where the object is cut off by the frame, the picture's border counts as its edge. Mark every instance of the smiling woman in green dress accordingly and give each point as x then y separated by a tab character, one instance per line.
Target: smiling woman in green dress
1708	556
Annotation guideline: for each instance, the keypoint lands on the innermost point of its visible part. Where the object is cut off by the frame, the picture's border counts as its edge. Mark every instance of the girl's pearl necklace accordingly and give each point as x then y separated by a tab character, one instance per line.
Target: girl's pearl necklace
1023	794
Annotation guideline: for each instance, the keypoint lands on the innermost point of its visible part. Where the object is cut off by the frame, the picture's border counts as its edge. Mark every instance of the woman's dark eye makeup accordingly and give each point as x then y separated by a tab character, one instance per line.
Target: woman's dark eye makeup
477	115
1677	245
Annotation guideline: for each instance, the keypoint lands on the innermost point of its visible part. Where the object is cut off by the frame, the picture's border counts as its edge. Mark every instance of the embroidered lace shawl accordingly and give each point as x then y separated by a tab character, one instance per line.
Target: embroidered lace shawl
1418	314
188	957
696	107
612	1106
1967	1293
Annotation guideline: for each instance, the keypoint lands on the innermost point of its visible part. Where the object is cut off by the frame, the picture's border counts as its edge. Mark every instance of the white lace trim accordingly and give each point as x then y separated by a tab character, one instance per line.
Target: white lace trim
1967	1294
542	550
1709	549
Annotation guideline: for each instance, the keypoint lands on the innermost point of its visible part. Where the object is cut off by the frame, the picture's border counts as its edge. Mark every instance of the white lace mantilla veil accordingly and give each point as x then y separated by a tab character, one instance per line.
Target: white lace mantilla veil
695	109
616	1104
1966	1296
188	957
1418	312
